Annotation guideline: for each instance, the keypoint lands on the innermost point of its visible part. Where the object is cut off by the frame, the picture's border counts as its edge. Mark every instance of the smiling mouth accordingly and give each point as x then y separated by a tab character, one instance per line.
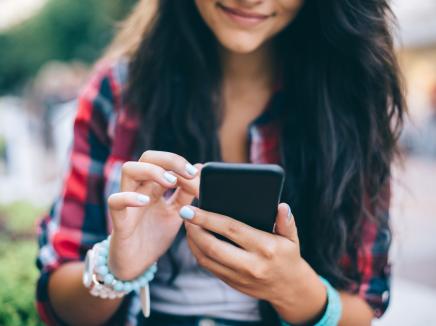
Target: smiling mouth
243	17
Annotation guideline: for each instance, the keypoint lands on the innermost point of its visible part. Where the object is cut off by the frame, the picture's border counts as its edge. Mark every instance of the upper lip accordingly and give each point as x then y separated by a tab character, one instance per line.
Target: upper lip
244	13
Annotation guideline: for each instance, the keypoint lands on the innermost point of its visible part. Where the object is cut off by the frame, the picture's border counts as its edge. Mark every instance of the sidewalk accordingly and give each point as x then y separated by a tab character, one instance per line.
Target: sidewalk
414	246
413	304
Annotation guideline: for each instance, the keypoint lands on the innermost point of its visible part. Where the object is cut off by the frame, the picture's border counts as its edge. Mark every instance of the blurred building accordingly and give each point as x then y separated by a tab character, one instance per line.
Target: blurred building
36	132
416	43
417	51
15	11
20	158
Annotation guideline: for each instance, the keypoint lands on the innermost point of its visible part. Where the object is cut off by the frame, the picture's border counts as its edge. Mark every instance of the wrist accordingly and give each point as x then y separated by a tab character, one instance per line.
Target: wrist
97	271
101	282
306	299
122	261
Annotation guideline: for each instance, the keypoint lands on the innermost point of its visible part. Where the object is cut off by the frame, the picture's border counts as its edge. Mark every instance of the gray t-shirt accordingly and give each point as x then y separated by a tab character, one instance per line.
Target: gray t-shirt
196	291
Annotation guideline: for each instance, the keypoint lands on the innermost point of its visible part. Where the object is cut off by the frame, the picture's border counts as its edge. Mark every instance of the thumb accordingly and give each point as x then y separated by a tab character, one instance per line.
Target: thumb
285	223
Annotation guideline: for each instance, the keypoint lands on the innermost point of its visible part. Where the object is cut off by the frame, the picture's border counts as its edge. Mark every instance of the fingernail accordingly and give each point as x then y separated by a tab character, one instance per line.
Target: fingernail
186	213
169	177
143	199
289	212
192	170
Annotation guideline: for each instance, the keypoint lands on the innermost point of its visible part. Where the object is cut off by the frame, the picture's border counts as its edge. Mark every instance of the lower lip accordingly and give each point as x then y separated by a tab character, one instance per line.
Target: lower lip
242	20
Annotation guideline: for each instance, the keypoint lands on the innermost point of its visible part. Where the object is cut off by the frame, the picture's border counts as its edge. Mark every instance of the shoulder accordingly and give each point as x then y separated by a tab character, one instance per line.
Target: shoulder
106	83
101	104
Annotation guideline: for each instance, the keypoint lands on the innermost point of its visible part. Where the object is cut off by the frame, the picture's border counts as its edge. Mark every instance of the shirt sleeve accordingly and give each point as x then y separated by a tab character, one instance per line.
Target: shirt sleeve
77	219
372	256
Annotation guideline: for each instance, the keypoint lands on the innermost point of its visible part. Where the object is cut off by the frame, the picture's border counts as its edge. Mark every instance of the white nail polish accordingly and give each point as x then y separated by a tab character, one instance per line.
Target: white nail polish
143	199
169	177
289	212
186	213
192	170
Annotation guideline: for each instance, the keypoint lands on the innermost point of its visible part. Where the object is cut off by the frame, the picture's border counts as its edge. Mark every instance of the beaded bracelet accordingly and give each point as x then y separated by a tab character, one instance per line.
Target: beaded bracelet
104	274
333	311
103	284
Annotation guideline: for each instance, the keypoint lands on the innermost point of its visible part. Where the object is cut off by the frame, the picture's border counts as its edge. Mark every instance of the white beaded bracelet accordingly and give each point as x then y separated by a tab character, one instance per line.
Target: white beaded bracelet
103	284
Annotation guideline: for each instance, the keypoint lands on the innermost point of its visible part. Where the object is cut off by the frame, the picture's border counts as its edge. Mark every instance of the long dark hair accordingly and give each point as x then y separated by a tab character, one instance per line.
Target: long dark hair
343	112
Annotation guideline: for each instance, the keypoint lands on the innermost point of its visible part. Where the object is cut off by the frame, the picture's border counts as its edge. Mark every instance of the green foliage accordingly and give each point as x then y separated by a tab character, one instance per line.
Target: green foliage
18	273
2	143
63	30
2	146
17	291
20	217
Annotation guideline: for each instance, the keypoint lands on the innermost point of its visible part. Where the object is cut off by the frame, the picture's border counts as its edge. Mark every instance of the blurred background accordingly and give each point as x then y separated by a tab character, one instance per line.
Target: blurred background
47	48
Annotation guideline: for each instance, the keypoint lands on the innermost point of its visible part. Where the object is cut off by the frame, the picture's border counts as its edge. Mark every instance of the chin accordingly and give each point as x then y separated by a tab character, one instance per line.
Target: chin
241	45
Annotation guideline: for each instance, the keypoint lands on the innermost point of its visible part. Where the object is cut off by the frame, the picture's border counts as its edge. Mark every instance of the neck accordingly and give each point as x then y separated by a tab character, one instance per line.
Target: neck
253	68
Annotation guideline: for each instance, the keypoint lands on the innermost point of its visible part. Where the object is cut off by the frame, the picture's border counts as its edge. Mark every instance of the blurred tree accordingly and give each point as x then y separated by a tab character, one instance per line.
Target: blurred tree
63	30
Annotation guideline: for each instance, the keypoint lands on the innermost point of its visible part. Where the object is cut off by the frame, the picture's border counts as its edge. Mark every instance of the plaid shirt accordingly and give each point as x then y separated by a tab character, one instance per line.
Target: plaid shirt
104	138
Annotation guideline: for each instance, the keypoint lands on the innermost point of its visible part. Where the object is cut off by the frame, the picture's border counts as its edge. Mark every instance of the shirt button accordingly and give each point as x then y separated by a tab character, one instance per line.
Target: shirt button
206	322
385	296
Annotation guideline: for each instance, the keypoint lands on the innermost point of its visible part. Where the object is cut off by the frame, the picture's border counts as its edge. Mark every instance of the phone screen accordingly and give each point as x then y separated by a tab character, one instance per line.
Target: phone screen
249	193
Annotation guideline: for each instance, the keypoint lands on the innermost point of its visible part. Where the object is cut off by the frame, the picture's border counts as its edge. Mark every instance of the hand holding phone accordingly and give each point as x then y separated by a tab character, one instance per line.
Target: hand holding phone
258	263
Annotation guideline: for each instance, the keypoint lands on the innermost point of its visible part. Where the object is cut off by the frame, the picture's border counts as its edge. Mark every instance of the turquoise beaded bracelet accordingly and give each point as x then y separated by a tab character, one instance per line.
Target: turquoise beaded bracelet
104	274
333	311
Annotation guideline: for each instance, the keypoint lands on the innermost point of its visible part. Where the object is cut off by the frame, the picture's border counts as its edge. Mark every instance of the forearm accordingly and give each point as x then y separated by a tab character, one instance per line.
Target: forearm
307	305
73	303
305	302
355	311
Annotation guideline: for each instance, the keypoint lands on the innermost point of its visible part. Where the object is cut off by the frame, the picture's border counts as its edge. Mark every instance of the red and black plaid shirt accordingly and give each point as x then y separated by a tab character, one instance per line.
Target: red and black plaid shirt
104	138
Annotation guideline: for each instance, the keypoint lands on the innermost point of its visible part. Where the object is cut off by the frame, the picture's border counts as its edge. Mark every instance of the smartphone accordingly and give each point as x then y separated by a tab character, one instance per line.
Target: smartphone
249	193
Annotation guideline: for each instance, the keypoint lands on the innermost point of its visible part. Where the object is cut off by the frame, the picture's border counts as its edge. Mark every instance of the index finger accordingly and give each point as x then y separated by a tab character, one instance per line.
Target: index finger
170	162
240	233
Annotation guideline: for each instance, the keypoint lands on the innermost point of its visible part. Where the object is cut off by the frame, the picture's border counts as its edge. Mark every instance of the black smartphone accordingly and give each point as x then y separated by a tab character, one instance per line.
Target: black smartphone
247	192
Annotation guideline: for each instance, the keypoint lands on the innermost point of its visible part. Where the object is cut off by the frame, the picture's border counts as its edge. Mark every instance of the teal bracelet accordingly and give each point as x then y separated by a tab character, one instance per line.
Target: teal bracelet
102	270
333	311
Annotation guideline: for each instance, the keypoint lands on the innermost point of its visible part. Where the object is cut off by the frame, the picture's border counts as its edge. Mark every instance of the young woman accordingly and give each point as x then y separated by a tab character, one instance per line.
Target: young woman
312	85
